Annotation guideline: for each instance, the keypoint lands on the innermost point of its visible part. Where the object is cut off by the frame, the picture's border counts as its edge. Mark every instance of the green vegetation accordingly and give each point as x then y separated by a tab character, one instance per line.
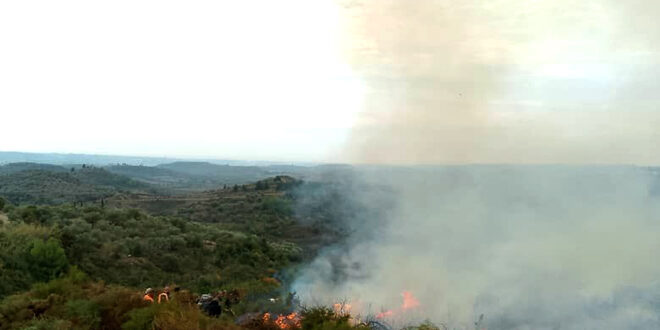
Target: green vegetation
131	248
84	268
39	186
71	265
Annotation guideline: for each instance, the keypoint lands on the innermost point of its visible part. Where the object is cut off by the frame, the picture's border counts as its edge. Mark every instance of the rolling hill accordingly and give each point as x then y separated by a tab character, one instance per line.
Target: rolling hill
49	184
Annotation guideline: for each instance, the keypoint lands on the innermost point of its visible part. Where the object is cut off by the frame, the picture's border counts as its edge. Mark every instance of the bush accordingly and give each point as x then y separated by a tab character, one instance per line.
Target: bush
173	315
140	319
115	303
84	313
47	259
277	206
49	324
324	318
426	325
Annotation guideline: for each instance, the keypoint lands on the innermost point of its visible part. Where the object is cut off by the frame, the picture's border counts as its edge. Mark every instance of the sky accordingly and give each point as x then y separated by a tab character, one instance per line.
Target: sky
401	82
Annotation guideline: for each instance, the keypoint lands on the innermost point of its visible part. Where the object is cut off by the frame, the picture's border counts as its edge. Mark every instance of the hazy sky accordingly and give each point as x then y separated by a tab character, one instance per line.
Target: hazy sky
361	81
230	79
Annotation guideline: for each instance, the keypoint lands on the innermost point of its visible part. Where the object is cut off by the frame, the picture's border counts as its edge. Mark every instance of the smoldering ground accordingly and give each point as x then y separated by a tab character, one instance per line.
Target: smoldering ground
529	247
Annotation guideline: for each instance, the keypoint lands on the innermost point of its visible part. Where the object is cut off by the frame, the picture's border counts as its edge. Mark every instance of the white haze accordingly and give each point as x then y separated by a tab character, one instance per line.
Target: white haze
537	247
502	82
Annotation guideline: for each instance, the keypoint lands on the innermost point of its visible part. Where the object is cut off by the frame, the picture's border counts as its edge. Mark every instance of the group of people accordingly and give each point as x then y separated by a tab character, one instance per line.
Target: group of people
163	296
215	304
212	304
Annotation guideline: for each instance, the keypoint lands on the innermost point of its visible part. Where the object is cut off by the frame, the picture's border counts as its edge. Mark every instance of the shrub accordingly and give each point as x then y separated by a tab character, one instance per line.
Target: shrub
277	206
426	325
49	324
324	318
140	319
48	259
84	313
115	303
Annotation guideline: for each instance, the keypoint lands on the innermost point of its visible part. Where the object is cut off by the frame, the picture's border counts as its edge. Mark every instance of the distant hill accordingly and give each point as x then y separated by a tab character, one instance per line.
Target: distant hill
59	159
103	160
18	167
150	174
218	174
208	169
54	184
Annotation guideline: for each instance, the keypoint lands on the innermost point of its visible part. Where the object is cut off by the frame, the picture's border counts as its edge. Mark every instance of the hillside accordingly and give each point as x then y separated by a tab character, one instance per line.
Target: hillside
97	260
152	175
222	173
264	208
53	184
26	166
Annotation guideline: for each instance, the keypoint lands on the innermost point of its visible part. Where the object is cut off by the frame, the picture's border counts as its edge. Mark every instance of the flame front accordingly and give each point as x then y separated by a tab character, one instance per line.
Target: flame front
409	302
385	314
290	321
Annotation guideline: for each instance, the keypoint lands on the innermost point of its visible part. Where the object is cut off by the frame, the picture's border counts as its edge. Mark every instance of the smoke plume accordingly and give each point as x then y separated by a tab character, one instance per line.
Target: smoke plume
504	81
526	246
529	247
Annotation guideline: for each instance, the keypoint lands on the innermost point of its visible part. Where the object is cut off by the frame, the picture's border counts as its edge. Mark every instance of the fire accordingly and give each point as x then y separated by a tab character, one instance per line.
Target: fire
409	302
342	309
385	314
289	321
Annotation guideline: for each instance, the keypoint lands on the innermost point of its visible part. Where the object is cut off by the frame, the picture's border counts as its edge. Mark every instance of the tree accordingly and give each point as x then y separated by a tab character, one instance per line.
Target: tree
48	259
2	203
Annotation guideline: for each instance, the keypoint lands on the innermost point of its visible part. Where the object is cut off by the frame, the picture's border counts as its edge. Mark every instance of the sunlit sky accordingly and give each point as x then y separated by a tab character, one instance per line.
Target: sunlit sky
357	81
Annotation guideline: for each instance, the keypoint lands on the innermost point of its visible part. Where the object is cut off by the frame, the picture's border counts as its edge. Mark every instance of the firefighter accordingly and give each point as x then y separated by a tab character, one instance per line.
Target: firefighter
165	295
149	295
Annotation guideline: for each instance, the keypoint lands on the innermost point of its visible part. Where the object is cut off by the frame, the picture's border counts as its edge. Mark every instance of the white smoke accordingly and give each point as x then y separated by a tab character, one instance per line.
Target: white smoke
530	247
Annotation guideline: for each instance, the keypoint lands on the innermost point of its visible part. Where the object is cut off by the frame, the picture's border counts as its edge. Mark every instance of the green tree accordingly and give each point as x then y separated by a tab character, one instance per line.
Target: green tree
47	259
2	203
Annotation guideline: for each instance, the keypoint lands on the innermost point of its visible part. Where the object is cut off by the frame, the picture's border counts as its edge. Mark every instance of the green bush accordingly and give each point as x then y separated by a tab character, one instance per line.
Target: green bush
277	206
49	324
84	313
140	319
48	259
324	318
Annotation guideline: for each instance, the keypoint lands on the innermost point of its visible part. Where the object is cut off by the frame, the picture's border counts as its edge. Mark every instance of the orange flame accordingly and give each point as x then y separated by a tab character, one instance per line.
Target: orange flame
409	302
342	309
385	314
289	321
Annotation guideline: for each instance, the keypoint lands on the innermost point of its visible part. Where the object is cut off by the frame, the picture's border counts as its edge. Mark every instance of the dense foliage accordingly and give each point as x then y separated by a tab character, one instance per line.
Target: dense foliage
54	185
64	265
131	248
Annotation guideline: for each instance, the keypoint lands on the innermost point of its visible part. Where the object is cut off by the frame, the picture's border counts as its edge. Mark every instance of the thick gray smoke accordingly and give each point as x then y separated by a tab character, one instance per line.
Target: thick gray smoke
529	247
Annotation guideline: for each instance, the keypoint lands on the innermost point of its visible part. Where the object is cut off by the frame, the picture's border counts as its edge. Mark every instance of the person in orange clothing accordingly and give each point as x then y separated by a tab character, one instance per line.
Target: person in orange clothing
165	295
149	295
